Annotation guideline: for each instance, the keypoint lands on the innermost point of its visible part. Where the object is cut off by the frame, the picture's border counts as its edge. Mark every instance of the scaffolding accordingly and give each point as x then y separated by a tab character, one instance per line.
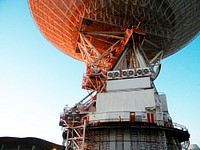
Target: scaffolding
74	137
122	136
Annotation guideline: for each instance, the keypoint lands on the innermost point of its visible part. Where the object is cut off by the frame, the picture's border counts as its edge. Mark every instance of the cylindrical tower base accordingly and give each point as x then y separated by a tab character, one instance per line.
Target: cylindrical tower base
128	136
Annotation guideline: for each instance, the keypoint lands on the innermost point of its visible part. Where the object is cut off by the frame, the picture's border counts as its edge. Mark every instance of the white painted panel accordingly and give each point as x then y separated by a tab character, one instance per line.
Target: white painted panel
125	101
133	83
163	99
110	116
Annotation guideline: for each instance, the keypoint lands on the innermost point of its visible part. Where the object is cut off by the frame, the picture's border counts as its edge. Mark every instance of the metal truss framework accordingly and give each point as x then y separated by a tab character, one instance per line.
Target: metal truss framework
128	54
75	137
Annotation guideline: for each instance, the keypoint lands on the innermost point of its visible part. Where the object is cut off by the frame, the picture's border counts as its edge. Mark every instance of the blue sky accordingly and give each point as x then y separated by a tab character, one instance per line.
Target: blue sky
37	80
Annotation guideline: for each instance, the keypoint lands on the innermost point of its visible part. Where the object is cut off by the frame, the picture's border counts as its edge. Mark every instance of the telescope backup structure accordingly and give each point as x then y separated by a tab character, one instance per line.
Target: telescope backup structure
121	43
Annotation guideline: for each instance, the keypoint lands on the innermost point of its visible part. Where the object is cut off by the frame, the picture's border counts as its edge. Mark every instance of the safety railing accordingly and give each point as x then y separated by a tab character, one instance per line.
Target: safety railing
141	120
180	127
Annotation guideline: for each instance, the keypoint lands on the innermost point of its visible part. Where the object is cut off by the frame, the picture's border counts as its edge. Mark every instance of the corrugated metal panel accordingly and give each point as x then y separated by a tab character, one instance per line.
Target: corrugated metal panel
125	101
117	116
163	102
110	116
133	83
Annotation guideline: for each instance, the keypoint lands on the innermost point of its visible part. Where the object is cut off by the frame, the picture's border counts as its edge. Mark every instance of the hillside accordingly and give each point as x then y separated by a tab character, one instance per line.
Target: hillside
28	143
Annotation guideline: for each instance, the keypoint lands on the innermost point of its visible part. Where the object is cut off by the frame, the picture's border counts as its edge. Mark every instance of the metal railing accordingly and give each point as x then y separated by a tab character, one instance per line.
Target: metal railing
161	123
180	127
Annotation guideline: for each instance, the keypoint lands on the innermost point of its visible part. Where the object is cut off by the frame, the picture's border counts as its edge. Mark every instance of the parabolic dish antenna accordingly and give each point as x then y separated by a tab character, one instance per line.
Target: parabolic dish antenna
98	32
167	25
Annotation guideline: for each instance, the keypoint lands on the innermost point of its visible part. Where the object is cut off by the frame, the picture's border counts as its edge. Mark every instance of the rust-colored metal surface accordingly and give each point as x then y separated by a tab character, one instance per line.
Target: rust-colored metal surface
168	25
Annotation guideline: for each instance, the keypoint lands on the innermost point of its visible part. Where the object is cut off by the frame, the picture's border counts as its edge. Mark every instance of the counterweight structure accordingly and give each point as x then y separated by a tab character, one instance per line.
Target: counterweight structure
121	43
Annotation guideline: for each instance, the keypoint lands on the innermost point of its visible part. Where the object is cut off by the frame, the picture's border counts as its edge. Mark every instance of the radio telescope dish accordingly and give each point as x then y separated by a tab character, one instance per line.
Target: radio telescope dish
167	25
122	43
